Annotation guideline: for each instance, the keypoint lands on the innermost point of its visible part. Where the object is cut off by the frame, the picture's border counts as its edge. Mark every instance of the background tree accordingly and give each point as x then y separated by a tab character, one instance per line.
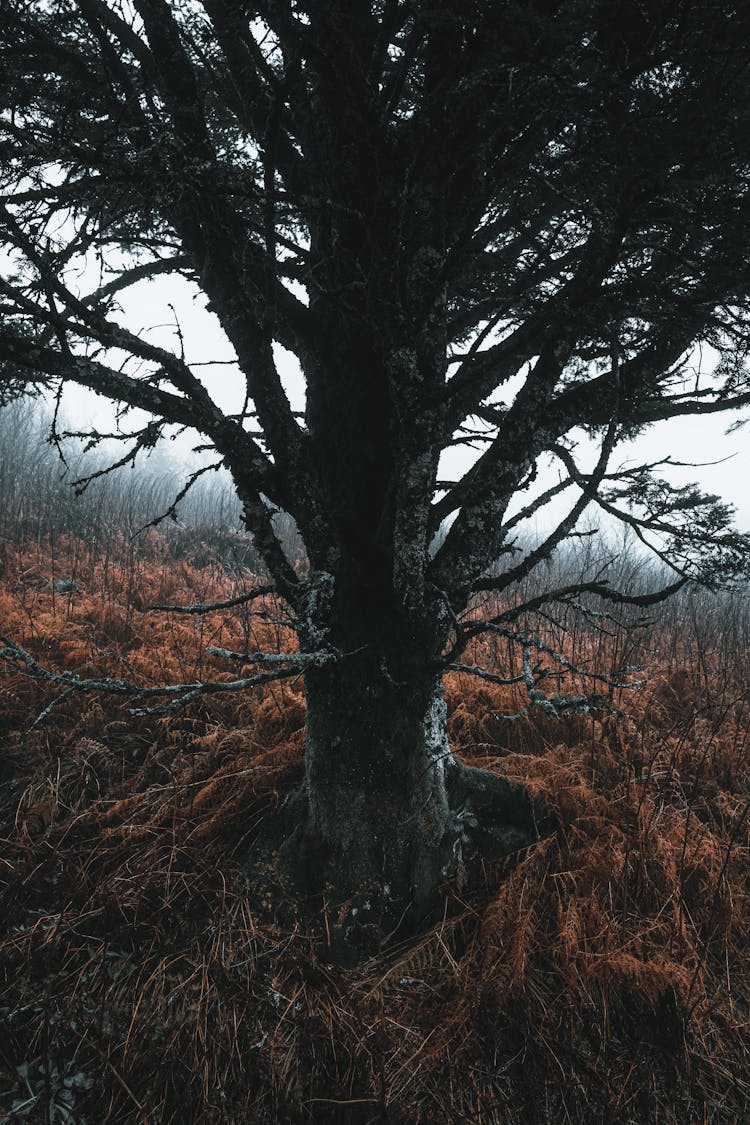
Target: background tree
499	224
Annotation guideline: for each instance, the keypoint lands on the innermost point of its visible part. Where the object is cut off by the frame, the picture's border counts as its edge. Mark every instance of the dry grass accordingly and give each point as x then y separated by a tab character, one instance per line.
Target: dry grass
600	977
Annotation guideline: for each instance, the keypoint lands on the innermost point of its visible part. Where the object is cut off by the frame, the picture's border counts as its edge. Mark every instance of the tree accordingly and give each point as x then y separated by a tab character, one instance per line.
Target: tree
499	224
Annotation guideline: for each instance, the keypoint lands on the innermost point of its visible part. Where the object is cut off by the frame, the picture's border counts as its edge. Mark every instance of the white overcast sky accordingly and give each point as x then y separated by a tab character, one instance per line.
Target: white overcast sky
147	307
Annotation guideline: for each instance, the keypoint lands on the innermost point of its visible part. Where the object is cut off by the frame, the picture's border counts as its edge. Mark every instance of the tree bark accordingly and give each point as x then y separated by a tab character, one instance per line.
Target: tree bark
377	806
386	813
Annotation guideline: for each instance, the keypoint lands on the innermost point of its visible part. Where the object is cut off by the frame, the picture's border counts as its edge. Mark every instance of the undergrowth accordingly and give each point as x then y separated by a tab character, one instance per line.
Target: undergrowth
599	976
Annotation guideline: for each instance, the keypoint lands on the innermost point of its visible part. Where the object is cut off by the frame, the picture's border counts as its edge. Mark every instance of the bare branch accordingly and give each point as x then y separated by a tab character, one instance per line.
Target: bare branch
483	674
142	272
563	593
212	607
287	665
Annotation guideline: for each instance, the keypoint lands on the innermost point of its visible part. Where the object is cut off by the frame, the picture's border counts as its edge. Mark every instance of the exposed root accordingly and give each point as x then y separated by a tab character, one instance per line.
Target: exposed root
493	815
491	818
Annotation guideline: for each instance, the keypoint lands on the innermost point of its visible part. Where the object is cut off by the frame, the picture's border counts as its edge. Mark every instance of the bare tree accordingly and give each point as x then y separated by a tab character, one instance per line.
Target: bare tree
496	224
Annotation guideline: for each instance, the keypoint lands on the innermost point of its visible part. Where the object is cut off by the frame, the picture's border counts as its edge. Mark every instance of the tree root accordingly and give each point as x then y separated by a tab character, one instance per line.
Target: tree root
492	815
491	818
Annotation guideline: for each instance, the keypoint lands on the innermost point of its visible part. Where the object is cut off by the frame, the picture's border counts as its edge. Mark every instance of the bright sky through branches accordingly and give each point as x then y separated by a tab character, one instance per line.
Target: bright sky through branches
164	309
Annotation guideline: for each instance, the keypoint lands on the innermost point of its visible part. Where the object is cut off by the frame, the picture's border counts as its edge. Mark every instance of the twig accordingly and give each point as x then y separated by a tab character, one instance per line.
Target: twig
211	607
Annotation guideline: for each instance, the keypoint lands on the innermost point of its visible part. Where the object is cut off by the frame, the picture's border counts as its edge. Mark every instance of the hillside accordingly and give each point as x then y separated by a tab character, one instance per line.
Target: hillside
599	976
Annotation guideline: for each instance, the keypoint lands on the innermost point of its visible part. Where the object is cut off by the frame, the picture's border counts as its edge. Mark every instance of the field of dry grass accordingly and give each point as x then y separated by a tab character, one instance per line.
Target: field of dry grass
600	976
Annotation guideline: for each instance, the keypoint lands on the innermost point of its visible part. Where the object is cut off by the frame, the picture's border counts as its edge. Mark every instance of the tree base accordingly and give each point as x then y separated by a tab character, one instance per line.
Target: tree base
490	818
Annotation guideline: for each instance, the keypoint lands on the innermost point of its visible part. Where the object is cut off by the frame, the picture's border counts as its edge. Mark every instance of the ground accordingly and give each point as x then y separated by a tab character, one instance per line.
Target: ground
598	975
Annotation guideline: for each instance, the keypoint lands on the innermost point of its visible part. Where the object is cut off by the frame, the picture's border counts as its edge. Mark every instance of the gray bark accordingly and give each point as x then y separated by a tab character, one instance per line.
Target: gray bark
386	813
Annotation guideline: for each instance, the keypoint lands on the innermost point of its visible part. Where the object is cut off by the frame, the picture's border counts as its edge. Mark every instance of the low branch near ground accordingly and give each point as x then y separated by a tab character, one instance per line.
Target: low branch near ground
532	675
301	659
282	666
211	607
484	674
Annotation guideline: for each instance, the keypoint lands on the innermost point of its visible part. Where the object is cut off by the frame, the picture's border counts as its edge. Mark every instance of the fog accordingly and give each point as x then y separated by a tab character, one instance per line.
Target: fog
172	312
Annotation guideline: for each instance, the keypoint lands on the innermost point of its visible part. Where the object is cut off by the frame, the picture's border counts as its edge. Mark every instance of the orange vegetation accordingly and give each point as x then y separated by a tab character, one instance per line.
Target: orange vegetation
601	976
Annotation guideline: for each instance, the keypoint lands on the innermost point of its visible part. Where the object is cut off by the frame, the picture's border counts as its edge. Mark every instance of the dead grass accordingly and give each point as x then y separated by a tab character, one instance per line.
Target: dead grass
600	977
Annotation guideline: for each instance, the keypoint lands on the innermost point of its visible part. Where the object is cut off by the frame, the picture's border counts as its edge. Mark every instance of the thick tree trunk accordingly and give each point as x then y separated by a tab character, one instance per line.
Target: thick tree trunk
378	812
386	813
